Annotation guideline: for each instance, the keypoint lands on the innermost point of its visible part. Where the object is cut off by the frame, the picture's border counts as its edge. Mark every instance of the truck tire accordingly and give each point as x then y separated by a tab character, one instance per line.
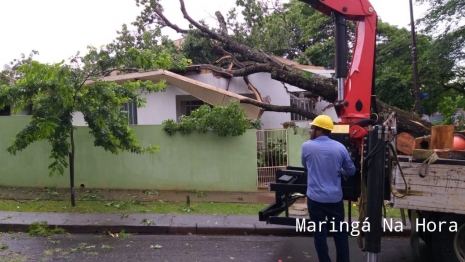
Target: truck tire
446	245
459	243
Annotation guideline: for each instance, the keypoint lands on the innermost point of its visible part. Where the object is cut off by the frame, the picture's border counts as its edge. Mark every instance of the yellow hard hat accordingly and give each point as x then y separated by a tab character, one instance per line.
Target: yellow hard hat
323	121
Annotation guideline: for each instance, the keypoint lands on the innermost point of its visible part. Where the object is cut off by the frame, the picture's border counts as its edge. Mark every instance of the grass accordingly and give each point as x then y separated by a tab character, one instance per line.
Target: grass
154	207
390	211
131	206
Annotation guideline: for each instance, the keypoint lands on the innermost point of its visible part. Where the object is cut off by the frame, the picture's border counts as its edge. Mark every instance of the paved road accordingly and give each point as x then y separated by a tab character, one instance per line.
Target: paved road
178	248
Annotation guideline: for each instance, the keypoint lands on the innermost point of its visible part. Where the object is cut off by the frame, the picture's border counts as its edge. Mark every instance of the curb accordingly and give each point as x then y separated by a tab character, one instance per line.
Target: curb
265	230
174	224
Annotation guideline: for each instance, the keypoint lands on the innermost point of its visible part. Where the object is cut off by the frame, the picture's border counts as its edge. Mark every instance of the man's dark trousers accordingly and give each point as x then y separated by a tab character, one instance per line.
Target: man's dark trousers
335	214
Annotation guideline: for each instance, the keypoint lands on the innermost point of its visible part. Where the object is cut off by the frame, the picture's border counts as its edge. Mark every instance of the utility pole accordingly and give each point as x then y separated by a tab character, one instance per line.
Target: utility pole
416	83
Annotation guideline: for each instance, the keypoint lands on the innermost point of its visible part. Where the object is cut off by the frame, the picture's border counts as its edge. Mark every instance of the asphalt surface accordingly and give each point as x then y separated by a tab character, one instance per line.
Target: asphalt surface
179	248
164	237
162	224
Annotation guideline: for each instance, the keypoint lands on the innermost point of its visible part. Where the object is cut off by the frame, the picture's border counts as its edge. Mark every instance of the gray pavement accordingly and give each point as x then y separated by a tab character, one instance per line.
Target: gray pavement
183	248
162	224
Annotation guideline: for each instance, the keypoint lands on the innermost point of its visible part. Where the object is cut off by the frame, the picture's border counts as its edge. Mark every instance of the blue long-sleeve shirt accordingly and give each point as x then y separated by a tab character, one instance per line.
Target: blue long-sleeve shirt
325	160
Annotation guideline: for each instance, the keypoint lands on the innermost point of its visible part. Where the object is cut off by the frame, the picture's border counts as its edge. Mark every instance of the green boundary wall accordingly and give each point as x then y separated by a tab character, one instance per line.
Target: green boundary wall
185	162
295	140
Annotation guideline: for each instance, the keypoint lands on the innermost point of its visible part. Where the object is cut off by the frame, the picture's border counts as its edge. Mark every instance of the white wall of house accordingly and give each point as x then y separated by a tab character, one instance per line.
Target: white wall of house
159	107
164	105
265	85
278	95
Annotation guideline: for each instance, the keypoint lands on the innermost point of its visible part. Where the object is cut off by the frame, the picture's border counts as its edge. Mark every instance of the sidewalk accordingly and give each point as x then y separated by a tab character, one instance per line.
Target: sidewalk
156	224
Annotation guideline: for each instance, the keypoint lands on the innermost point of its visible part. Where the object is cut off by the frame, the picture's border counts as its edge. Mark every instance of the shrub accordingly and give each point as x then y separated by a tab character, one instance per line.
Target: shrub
230	120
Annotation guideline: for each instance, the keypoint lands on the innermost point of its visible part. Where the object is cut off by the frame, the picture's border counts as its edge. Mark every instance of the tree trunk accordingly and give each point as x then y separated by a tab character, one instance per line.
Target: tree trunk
71	168
406	121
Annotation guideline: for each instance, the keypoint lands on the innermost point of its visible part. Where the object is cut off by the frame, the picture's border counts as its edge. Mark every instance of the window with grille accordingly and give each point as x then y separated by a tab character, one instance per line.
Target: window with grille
188	106
6	111
300	100
131	110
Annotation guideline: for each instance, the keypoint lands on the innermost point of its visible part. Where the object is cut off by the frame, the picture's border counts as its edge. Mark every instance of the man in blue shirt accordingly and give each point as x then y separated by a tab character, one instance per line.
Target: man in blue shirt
326	161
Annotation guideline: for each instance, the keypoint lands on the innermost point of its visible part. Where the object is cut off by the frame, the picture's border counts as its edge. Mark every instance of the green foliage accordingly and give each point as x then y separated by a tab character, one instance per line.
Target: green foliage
394	72
256	123
123	235
58	91
42	229
275	153
230	120
449	109
444	22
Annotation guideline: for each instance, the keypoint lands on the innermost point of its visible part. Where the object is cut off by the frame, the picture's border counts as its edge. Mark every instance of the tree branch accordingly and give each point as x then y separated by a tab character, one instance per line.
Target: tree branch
168	22
256	68
282	109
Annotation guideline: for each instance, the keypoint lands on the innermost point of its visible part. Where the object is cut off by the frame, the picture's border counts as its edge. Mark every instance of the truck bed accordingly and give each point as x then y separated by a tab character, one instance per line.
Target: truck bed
442	189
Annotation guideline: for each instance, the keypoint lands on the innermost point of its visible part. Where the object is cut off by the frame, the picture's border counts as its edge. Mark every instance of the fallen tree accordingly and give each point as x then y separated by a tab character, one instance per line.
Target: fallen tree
244	61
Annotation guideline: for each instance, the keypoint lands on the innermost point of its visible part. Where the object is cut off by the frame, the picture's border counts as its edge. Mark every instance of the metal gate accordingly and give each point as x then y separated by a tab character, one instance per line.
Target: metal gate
272	154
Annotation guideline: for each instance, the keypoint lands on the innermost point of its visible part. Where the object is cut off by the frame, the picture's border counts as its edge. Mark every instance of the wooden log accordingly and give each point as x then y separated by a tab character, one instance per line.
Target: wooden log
451	154
405	143
422	142
442	137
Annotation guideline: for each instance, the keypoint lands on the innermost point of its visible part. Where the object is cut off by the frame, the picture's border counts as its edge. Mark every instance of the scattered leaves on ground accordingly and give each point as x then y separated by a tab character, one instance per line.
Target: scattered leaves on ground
147	222
106	246
42	229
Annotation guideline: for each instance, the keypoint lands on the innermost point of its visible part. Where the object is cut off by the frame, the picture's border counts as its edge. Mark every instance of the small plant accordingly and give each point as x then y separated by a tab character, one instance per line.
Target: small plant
123	235
170	126
275	153
288	124
449	108
42	229
135	201
255	124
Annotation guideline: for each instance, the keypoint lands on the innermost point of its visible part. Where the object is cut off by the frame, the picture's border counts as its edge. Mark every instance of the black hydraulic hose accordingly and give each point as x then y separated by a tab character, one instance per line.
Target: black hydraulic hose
340	37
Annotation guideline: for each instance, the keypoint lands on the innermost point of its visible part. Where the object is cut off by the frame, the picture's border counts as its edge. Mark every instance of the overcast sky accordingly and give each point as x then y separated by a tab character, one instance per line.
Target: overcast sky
59	28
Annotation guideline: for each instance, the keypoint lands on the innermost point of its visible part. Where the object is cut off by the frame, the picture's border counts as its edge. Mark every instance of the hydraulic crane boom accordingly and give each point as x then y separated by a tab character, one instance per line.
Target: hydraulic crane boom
355	100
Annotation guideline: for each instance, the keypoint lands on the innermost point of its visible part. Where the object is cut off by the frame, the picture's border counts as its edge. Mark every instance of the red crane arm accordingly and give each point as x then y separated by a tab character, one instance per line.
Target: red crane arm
355	90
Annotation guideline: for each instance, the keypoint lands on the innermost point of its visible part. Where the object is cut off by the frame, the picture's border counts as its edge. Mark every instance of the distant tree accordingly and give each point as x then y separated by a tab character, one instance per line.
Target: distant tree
444	21
58	91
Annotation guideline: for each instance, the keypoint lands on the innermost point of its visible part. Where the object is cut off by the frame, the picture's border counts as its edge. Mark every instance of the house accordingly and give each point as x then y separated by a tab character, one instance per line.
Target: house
196	87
